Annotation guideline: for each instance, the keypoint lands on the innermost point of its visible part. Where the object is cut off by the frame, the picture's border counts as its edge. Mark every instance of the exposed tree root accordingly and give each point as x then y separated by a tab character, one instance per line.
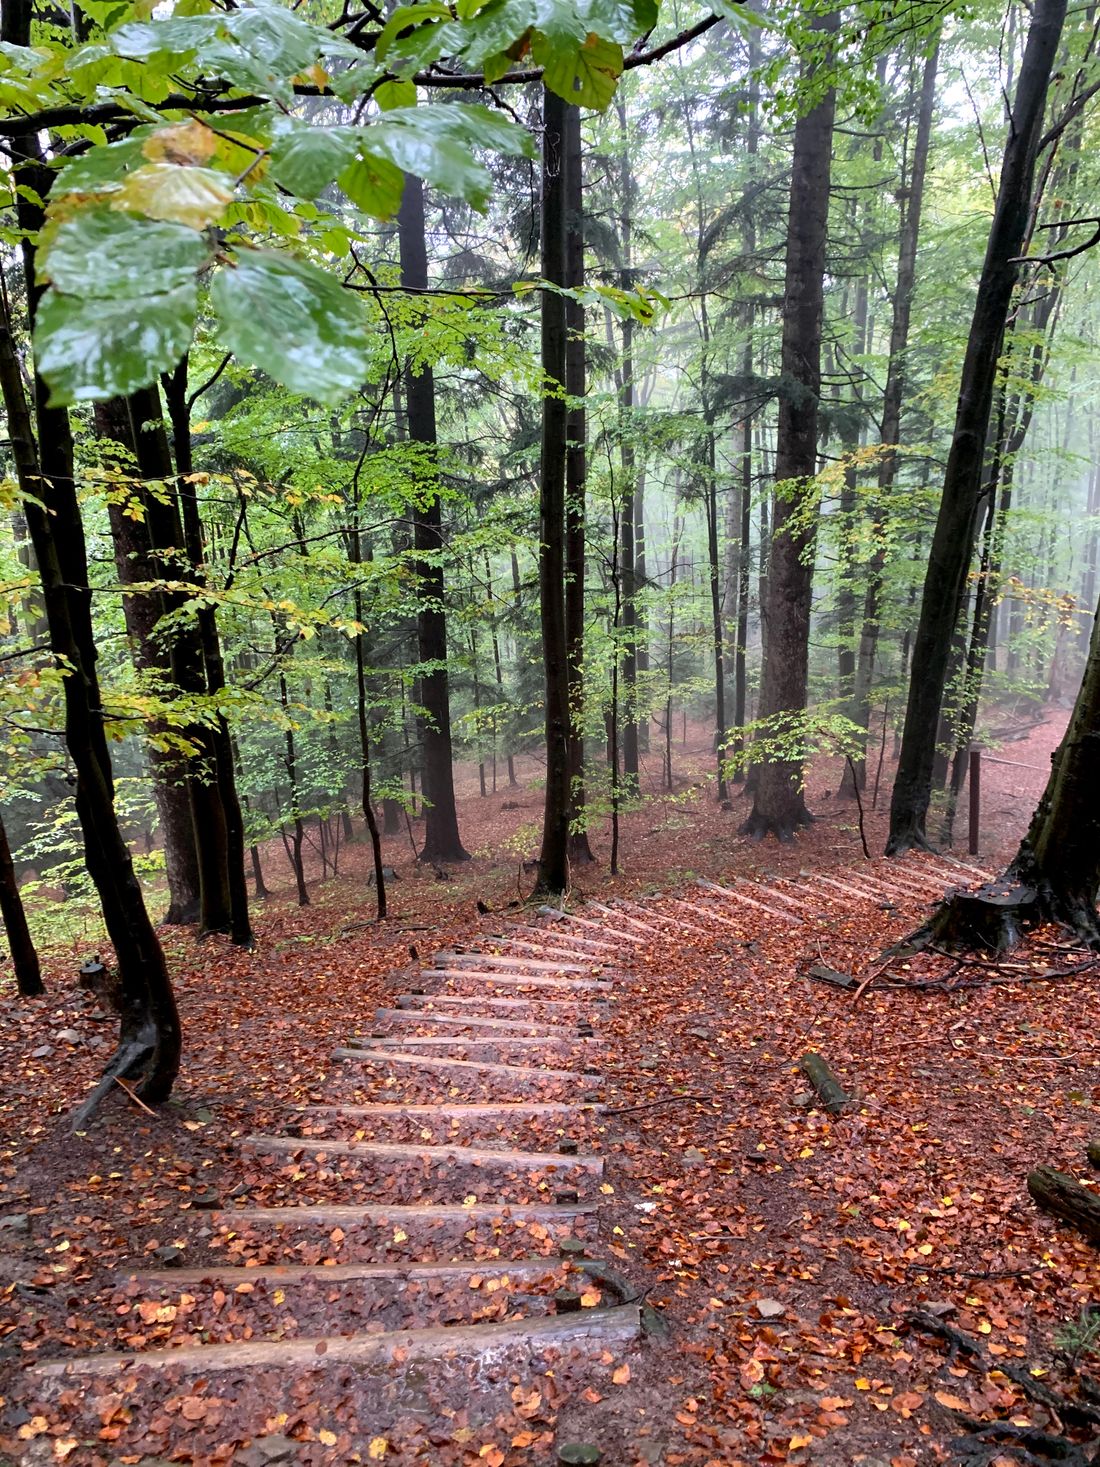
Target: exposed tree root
784	828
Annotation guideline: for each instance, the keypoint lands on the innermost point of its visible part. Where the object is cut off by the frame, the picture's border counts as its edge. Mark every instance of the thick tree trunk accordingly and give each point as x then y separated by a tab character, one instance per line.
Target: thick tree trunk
149	1035
224	760
441	837
166	536
580	851
135	564
553	875
779	808
949	556
24	956
1055	875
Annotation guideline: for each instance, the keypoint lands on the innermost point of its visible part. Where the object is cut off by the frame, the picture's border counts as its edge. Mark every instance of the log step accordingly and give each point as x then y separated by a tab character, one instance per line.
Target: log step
498	1041
517	980
620	914
544	949
574	937
621	1323
414	1001
344	1273
407	1212
384	1151
429	1062
476	959
470	1109
466	1021
748	901
592	926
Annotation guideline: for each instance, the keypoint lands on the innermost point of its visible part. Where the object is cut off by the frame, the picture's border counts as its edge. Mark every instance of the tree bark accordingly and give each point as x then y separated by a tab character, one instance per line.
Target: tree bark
949	556
135	565
149	1033
894	395
779	807
1055	874
441	837
576	467
24	956
553	877
224	757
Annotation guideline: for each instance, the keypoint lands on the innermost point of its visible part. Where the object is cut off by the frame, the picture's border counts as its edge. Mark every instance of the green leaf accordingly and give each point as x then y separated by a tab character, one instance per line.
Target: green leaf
88	349
474	124
307	159
446	162
104	254
375	185
141	40
194	196
294	322
393	94
587	76
101	169
408	18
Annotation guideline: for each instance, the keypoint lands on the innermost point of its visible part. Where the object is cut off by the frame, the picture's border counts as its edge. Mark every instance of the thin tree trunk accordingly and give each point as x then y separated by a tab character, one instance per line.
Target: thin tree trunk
24	956
949	556
553	875
894	394
580	851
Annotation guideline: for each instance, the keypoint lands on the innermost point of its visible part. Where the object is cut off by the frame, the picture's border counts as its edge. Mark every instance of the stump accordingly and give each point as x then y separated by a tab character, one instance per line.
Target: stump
829	1090
1065	1198
991	919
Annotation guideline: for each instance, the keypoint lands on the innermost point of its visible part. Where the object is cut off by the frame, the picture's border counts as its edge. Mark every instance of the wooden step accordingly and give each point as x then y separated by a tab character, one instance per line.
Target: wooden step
570	917
618	914
620	1323
413	1001
470	1155
748	901
544	949
480	1021
706	912
513	965
407	1212
498	1041
459	1109
516	980
428	1062
344	1273
677	923
559	935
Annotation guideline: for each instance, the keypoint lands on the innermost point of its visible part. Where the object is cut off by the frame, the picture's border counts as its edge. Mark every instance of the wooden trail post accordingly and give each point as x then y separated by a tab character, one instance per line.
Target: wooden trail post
975	798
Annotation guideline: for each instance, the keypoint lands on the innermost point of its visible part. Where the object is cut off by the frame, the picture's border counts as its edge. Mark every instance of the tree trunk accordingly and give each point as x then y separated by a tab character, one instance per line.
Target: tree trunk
223	758
24	957
949	556
779	807
1055	874
628	718
553	875
135	564
894	394
441	837
149	1034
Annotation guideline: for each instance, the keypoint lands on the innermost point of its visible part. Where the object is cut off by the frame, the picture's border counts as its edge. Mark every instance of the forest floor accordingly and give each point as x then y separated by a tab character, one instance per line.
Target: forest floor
785	1251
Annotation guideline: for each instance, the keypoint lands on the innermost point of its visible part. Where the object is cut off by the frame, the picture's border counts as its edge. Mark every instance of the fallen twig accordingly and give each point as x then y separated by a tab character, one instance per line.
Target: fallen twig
134	1096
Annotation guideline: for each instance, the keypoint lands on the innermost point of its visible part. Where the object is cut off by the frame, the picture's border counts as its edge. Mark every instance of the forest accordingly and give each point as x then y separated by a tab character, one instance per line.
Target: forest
549	732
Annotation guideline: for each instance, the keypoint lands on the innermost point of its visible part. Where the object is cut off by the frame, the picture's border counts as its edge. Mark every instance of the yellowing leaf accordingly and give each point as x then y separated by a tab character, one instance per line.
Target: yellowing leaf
590	1298
193	196
378	1449
621	1374
326	1437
